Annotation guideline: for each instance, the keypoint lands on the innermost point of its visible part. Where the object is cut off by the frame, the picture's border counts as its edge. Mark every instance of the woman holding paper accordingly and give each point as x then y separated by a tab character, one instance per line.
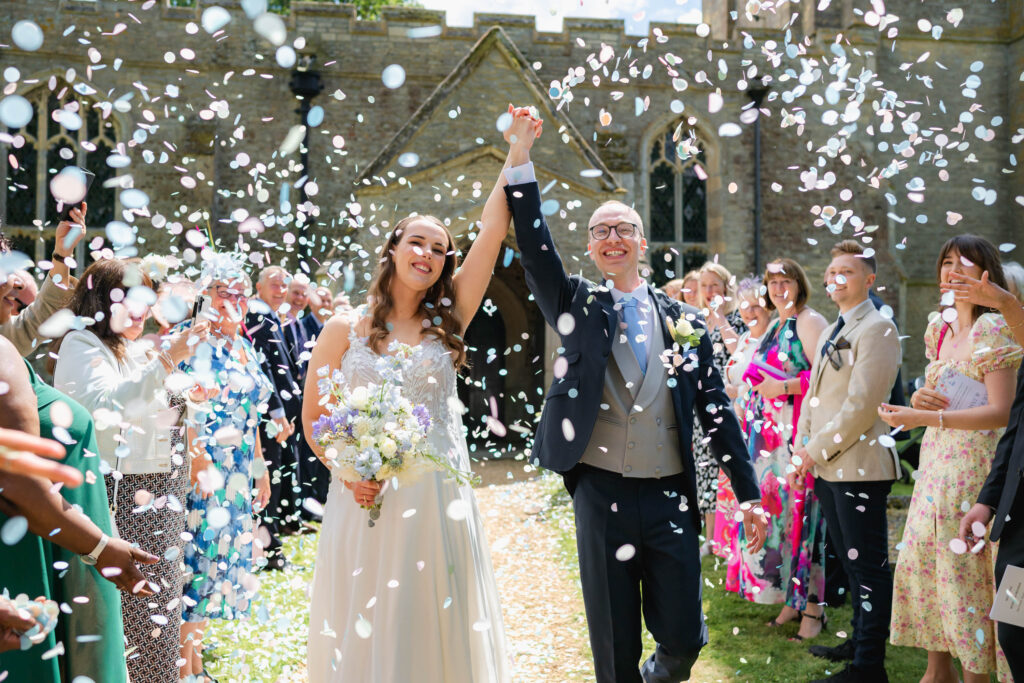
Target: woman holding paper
942	587
789	568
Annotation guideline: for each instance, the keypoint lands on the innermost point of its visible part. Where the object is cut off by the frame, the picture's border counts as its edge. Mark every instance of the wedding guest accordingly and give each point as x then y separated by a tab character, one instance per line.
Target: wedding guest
690	291
17	294
1014	274
717	289
841	455
300	329
321	304
935	588
756	318
1001	500
69	555
789	569
674	289
265	330
120	380
226	460
23	329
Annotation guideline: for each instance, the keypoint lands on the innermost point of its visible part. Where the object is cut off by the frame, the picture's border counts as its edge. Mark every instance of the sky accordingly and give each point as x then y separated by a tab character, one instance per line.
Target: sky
637	14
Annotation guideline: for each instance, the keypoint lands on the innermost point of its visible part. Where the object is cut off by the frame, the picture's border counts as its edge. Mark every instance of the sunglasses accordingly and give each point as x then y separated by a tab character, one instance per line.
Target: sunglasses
832	351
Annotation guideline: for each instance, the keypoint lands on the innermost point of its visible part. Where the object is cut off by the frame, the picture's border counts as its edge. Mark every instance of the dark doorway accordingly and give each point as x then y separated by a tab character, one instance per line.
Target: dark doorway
482	385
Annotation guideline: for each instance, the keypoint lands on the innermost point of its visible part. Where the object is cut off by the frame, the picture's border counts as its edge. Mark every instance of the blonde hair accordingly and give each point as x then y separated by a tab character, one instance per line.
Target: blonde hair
674	288
1014	274
722	273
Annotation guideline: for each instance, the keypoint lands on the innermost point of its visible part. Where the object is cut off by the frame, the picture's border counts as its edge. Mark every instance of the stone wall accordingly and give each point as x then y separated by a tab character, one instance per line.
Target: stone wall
235	73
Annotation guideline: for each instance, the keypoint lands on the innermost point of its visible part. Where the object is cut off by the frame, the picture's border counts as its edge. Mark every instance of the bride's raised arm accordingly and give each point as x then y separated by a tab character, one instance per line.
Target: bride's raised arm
475	274
330	348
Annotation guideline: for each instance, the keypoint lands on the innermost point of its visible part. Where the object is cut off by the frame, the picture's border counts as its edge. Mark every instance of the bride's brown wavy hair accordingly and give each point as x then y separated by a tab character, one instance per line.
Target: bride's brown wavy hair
449	331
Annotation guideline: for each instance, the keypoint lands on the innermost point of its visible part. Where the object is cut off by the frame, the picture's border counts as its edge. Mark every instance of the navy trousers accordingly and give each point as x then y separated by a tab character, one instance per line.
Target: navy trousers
639	554
1011	551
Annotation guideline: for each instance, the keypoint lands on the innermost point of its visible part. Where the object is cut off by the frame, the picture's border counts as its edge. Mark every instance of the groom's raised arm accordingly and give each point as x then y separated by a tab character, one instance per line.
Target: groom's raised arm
545	275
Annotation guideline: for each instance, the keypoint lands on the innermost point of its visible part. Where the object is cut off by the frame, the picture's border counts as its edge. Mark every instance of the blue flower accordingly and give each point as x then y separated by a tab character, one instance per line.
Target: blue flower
367	463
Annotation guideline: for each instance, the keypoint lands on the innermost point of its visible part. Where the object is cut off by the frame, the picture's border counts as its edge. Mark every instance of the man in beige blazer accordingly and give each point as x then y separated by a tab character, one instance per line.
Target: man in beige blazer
853	370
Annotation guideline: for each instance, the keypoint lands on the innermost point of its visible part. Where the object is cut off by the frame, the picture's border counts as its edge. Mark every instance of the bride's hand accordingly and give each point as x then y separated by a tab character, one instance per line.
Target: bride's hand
364	491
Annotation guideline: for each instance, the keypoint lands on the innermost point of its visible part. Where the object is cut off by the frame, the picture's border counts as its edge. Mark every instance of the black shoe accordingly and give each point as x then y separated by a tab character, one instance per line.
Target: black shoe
852	674
839	653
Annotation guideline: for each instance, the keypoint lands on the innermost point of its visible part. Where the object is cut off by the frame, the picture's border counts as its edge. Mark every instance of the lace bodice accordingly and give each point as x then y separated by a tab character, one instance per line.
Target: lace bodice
429	379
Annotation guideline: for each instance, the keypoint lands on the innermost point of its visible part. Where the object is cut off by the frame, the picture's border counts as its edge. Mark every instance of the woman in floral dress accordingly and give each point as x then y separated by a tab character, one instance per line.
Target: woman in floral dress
757	318
223	437
789	568
942	593
717	289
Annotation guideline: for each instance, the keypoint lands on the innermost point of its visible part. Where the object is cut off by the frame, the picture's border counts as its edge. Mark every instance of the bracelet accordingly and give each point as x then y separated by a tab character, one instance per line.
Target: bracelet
57	258
1013	327
940	420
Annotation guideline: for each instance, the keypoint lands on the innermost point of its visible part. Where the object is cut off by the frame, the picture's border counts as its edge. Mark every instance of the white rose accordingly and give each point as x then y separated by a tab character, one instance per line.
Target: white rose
358	398
388	447
366	441
361	427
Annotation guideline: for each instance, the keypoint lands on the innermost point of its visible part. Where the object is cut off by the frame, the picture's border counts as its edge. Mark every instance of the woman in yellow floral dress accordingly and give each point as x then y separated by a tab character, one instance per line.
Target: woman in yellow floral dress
943	592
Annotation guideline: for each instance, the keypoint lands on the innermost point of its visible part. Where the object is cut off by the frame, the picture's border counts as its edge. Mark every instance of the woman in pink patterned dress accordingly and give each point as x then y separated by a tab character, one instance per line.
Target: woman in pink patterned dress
942	592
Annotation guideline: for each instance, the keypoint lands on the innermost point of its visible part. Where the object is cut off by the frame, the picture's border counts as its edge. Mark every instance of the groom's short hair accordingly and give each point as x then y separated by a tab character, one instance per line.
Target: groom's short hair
853	248
627	207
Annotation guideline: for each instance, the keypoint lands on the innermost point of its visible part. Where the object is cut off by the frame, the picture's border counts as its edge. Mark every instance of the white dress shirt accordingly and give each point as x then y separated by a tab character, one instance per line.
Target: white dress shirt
646	310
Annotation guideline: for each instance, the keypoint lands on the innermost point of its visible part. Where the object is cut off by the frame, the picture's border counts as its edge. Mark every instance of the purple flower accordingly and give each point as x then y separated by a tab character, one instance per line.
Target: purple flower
421	413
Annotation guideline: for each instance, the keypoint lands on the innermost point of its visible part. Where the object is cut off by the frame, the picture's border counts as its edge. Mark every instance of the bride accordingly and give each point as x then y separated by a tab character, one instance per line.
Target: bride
412	598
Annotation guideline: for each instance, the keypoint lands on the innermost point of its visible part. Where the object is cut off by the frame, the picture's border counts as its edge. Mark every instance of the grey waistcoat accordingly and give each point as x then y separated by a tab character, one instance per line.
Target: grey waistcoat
635	434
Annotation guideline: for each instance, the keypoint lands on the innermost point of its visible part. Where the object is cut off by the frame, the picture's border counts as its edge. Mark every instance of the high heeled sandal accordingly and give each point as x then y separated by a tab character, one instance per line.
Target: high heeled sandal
823	618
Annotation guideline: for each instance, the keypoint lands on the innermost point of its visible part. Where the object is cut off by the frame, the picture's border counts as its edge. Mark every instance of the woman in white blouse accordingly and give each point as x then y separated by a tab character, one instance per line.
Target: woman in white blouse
124	383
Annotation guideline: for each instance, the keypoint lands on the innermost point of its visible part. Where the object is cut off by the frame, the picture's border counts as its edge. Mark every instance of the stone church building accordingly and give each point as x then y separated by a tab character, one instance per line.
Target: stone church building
749	137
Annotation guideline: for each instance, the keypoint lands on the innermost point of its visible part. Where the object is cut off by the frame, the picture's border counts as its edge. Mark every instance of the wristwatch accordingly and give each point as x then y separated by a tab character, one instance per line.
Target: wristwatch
92	558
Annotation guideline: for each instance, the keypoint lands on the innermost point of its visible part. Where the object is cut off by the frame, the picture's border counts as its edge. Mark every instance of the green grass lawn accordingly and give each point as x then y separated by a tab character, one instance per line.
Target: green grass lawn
271	646
742	647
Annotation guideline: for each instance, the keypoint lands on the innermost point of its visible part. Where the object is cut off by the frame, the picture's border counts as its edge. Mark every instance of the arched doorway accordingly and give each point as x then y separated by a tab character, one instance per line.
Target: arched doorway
483	381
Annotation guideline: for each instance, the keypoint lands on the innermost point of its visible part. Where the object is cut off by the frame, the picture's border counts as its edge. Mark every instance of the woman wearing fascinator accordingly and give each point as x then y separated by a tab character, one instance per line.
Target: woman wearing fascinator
413	597
230	482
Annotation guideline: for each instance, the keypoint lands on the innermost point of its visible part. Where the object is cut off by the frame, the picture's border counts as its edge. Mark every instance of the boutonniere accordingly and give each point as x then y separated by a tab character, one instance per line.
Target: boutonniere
683	332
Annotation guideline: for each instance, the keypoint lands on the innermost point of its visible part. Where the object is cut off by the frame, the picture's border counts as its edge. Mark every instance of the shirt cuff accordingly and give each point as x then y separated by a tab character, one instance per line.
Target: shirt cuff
277	414
520	175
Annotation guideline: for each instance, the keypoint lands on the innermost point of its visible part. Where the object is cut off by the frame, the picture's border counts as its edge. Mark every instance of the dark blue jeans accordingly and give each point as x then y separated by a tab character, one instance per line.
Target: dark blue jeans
855	516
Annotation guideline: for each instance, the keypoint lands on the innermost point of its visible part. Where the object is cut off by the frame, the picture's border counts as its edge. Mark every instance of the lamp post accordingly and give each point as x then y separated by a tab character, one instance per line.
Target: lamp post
305	84
757	94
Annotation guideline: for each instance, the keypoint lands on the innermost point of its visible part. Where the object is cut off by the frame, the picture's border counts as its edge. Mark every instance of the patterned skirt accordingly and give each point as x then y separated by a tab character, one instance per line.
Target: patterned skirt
150	512
707	471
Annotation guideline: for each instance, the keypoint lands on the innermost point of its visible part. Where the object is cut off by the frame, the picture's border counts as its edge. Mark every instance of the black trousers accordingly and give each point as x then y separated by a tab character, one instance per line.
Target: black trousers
855	517
314	477
1011	551
639	554
280	511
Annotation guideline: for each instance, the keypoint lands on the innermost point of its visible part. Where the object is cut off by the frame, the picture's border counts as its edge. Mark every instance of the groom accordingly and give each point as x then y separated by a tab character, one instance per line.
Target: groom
618	426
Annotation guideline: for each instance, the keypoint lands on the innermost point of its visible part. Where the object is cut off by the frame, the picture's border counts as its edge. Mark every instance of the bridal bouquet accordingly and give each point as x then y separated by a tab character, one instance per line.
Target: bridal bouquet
374	433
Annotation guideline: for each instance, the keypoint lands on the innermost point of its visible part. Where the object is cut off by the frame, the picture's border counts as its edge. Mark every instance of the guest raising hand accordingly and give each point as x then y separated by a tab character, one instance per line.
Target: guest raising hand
934	587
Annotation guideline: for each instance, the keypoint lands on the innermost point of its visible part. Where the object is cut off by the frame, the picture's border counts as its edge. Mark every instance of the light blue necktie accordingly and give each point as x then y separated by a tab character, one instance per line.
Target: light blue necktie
631	315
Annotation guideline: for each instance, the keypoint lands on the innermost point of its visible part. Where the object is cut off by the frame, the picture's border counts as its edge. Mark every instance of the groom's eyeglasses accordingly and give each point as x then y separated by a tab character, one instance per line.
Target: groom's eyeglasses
602	231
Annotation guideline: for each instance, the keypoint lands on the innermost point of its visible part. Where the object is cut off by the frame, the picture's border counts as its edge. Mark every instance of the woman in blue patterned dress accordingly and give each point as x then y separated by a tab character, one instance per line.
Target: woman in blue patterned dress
224	415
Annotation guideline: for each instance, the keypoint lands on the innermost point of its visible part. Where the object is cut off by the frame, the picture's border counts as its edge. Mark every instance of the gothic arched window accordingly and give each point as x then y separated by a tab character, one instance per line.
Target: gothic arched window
677	233
86	137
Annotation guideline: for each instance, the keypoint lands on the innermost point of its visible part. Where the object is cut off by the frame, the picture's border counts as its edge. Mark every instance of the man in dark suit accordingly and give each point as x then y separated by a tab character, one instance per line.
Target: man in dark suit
300	331
617	425
1002	497
263	326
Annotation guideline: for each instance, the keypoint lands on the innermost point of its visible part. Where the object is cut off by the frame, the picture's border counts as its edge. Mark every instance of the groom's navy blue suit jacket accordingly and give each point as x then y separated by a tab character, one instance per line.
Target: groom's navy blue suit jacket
573	400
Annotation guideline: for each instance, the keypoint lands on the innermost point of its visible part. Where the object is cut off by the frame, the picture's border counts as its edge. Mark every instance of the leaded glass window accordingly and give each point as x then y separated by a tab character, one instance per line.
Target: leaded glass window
677	184
41	149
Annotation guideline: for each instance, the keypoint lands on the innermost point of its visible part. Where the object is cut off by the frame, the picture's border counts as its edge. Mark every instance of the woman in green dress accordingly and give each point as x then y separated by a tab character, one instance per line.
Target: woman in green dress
89	640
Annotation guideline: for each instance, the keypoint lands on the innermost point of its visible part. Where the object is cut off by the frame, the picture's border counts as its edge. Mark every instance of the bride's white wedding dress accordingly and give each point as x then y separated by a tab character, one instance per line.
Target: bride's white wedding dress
412	599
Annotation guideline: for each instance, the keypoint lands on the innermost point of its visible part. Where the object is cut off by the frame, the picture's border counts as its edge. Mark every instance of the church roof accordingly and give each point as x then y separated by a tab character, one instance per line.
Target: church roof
523	88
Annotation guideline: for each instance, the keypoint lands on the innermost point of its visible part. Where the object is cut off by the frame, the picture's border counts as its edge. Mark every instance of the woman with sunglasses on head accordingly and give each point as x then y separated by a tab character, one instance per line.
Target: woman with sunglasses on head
789	569
120	380
941	596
